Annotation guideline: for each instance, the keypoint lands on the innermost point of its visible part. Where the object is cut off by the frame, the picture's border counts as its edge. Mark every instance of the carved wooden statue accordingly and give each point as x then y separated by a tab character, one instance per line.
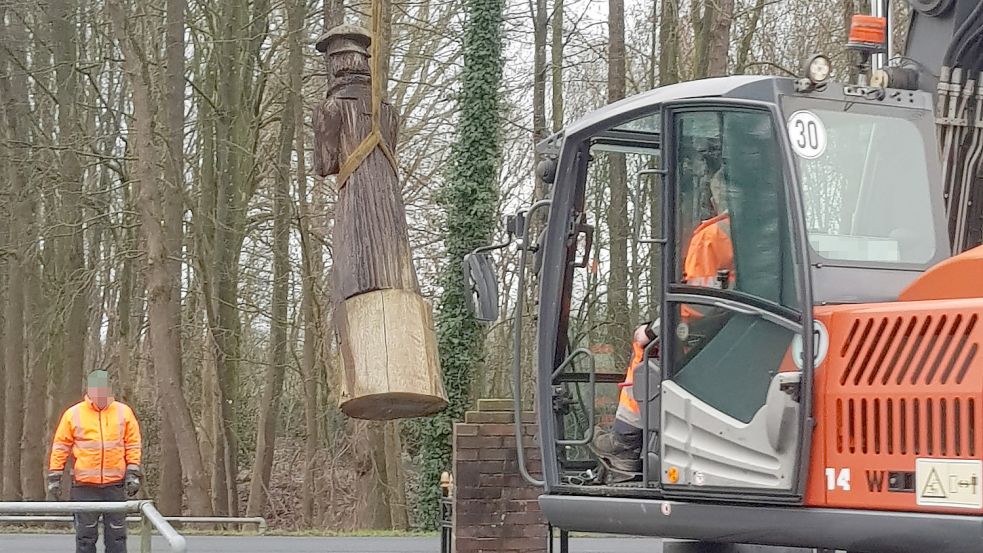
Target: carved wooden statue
388	345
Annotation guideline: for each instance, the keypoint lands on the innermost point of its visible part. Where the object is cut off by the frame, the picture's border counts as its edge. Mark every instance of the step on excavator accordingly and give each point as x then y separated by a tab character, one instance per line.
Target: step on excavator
826	392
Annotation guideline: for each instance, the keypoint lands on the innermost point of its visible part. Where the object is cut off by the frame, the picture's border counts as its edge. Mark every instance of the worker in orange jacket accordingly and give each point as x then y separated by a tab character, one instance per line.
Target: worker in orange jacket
104	438
709	262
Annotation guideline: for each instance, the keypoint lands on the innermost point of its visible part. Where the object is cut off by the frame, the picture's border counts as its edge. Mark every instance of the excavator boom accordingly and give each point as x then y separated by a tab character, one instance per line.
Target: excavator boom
945	47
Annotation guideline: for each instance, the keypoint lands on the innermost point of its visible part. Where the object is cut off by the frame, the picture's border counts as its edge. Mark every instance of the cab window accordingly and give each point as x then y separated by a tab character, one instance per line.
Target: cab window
732	225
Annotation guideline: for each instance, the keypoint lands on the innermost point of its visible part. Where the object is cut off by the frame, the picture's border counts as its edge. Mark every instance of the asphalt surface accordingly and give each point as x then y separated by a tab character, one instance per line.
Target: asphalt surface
64	543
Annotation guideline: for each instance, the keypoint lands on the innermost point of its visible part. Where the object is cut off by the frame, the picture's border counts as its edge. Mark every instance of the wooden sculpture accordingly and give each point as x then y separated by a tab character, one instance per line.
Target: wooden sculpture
385	327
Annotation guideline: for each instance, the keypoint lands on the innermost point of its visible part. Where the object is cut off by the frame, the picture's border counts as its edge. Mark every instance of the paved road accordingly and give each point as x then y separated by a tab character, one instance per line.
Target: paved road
30	543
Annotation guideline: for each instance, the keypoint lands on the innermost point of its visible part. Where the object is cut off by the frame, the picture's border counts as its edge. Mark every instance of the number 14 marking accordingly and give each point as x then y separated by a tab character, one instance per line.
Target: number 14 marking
838	479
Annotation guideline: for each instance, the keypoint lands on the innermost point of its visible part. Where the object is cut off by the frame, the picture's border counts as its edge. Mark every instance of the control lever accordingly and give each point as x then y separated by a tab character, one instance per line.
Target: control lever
723	278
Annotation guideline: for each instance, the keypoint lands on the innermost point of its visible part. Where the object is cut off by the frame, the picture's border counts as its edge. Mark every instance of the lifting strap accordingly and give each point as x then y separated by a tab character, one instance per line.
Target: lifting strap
374	139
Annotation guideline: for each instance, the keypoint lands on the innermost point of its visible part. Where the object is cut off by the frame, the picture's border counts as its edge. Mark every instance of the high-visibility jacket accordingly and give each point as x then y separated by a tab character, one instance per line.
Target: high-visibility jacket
104	442
710	250
629	410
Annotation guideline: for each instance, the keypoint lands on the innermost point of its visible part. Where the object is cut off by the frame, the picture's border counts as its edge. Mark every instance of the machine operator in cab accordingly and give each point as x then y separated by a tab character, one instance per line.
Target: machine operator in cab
709	262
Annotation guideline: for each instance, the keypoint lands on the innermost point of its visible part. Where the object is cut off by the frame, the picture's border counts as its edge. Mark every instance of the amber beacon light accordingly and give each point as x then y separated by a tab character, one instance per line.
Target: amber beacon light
868	32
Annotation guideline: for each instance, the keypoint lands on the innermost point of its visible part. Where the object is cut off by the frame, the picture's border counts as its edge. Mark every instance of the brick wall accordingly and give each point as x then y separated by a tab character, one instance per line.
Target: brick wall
495	509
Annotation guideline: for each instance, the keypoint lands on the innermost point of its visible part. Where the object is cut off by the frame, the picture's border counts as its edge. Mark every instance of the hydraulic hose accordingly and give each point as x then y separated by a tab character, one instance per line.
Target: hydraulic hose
957	48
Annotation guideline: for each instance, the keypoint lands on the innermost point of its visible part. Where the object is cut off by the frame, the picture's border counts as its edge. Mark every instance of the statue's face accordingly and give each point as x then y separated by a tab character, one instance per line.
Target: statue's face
348	62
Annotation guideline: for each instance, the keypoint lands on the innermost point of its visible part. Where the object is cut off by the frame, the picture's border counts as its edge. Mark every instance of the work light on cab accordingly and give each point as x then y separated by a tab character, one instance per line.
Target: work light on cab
817	70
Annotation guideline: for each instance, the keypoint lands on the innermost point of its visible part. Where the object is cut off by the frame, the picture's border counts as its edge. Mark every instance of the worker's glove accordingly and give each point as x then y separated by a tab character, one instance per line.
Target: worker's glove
131	484
54	484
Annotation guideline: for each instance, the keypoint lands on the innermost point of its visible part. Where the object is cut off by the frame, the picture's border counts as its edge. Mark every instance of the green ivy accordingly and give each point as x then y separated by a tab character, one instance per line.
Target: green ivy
469	200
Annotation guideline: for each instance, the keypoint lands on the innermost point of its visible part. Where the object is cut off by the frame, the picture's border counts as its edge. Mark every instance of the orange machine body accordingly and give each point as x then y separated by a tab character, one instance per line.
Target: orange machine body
900	395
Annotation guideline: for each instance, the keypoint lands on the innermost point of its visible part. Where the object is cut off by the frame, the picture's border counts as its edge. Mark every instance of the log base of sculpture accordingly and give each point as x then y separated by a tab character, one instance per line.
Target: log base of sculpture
390	357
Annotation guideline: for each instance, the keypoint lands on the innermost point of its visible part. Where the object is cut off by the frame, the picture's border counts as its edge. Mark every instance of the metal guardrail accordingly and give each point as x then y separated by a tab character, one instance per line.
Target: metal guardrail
260	522
150	517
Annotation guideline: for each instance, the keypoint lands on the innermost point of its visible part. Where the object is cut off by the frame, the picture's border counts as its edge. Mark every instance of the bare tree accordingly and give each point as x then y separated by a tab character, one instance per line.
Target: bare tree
556	64
12	90
171	471
273	386
718	48
70	266
159	280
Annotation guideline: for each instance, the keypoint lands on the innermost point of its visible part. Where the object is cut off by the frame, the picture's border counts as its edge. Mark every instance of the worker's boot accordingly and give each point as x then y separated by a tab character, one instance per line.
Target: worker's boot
619	451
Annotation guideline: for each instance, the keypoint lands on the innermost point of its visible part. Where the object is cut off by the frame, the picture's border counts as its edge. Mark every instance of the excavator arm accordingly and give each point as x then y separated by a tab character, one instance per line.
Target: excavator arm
945	48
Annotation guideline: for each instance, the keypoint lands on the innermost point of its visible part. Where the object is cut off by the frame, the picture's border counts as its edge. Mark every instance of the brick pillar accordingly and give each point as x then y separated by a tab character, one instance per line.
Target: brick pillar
495	509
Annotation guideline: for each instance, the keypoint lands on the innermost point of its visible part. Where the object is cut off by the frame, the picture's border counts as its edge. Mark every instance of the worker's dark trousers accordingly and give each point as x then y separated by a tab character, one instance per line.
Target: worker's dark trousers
87	524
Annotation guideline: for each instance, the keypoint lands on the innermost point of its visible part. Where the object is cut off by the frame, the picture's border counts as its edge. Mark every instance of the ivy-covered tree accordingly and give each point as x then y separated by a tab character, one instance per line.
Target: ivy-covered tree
469	200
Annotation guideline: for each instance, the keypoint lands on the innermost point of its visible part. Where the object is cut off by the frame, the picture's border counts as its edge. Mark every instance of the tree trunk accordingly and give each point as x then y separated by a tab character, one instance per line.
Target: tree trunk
311	270
13	94
372	504
273	386
669	43
207	414
70	248
701	13
171	469
395	479
220	487
236	68
226	336
719	41
334	13
744	49
556	64
14	346
617	216
539	29
204	223
125	371
33	459
169	496
159	281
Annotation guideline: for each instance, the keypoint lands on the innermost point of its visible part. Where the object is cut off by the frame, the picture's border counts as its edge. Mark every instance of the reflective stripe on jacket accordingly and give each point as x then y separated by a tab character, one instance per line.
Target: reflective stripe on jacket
103	442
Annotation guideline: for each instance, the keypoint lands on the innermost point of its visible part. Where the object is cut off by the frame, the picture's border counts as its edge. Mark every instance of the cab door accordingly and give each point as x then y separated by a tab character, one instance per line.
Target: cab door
734	403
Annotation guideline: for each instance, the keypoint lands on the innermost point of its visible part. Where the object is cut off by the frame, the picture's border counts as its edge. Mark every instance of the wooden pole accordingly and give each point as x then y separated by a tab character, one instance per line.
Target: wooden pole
388	345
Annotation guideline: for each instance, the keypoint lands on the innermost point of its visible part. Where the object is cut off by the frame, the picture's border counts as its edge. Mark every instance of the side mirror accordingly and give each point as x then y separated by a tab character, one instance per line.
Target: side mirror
481	281
515	225
637	232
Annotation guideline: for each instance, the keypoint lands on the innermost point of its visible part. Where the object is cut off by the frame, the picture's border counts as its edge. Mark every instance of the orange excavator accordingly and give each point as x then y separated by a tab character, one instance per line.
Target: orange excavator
830	394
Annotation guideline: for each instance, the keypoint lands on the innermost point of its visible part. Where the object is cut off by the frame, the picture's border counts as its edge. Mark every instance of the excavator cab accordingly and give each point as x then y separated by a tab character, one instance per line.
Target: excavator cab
828	196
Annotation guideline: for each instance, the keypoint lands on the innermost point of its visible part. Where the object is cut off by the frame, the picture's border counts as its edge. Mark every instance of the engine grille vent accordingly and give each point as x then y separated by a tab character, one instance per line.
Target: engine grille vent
902	350
907	426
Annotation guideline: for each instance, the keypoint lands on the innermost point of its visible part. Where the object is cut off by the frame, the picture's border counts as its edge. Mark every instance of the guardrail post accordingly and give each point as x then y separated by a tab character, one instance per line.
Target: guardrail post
145	534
